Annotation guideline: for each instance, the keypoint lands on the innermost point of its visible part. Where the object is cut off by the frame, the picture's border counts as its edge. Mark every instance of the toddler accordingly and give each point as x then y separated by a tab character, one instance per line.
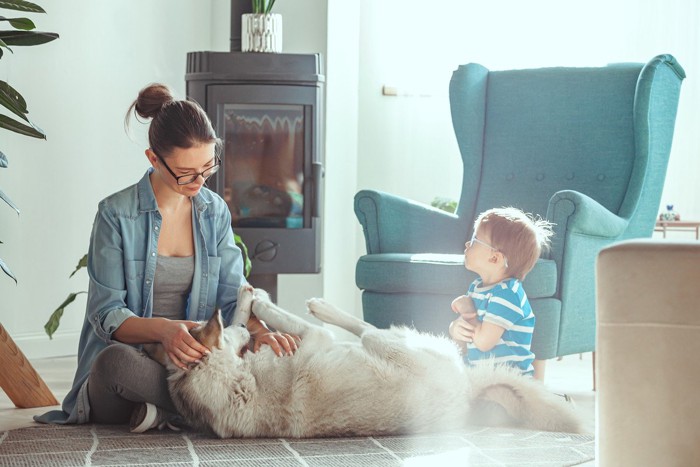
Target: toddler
504	247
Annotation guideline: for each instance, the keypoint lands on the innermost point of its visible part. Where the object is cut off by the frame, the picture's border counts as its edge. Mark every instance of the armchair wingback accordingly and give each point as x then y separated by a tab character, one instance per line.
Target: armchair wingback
586	148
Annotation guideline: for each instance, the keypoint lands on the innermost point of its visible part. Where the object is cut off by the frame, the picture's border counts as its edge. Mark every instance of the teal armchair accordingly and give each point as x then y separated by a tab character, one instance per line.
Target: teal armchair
585	148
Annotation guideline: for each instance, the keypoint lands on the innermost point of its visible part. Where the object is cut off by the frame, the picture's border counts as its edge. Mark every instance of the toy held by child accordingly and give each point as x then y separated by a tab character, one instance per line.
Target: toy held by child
496	320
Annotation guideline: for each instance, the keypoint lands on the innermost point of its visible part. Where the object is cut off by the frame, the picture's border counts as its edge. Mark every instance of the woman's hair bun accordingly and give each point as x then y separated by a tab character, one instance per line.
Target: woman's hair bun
151	99
173	123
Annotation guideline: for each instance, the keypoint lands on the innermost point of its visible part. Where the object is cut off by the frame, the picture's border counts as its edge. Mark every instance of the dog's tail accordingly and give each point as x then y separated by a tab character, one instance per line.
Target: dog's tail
502	396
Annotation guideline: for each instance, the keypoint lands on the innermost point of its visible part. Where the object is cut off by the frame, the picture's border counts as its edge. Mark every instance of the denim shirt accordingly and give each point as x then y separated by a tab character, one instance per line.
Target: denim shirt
122	264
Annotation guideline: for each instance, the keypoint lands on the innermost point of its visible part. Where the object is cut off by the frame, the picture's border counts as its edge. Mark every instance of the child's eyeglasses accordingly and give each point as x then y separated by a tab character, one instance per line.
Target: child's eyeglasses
474	239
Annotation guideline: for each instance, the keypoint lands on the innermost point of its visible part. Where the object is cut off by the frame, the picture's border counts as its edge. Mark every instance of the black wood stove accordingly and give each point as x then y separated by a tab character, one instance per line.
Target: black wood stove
267	108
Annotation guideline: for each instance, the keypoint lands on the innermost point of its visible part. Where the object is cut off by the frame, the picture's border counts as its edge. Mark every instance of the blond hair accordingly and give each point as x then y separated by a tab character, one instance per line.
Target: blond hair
517	235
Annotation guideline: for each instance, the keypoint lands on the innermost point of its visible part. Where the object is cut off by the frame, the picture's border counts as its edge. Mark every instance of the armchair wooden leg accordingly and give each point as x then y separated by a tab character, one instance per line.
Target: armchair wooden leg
593	370
19	379
539	366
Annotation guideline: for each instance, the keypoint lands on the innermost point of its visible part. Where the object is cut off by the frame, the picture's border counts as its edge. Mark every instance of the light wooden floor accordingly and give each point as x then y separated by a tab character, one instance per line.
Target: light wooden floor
572	375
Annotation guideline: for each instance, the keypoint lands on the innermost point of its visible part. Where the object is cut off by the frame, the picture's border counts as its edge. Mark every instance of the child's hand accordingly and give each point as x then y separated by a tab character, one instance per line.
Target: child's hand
462	330
464	306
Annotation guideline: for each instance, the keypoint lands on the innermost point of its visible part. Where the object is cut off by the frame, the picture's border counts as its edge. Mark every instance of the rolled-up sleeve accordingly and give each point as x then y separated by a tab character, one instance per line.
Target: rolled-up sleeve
231	269
106	307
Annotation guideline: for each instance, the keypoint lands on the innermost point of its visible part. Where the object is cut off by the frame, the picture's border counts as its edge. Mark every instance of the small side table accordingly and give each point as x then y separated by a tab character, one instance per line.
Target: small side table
680	226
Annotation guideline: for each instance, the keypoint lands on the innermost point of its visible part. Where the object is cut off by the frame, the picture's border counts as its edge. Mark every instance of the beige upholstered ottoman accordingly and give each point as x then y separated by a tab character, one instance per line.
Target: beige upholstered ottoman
648	354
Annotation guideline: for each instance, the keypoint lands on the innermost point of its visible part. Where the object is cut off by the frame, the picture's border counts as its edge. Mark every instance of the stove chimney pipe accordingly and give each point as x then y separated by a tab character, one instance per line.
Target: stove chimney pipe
238	8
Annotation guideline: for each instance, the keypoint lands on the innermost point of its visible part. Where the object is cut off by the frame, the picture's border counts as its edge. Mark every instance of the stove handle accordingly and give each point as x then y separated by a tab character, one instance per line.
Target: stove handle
317	176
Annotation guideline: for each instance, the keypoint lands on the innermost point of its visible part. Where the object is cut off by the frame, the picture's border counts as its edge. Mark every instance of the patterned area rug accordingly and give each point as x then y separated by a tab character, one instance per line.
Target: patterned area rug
86	445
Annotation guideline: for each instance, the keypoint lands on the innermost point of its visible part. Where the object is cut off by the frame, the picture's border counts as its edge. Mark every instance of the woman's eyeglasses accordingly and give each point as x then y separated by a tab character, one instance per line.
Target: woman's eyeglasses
191	178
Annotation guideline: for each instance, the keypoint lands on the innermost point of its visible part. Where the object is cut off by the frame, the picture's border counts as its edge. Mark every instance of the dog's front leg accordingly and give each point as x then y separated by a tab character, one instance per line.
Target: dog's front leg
330	314
243	305
281	320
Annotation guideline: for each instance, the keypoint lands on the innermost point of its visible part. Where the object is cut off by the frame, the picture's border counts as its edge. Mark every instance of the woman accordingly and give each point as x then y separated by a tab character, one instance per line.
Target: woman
162	256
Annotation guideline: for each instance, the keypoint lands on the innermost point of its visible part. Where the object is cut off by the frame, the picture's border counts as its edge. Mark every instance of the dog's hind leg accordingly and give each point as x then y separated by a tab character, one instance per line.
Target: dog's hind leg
330	314
281	320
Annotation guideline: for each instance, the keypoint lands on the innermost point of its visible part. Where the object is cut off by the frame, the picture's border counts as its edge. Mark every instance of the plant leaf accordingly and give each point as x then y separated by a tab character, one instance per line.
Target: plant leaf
81	264
19	23
21	5
4	197
55	318
3	161
2	44
13	125
11	103
247	265
6	270
14	95
27	38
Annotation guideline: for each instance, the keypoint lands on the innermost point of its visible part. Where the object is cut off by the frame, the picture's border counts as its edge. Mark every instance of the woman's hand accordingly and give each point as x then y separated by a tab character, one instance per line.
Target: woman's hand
179	344
280	342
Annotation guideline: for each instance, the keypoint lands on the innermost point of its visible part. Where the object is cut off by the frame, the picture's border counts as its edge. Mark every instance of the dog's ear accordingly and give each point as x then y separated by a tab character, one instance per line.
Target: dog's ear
211	335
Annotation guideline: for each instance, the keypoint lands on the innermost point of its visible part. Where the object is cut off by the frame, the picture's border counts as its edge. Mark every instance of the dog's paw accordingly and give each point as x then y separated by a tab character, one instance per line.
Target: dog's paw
320	309
261	295
245	297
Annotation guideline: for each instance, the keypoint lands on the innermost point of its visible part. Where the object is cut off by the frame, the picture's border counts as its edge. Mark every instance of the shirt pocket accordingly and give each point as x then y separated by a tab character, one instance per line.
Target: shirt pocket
213	281
134	274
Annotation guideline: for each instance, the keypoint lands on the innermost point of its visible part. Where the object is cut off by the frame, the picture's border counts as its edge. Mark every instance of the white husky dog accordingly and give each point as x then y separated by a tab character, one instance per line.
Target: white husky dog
390	381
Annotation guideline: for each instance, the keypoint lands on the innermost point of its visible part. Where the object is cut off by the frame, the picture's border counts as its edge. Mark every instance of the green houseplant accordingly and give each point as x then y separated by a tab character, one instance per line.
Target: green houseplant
21	34
262	7
446	204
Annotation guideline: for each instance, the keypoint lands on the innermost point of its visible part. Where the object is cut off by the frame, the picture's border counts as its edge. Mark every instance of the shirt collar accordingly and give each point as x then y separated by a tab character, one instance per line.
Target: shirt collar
147	199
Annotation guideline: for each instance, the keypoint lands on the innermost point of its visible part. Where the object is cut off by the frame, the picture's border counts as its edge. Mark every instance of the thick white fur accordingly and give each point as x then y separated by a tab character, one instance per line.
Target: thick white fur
389	381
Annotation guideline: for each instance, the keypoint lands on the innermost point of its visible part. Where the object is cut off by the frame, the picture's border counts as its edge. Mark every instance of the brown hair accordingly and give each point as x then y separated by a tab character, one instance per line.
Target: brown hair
174	123
517	235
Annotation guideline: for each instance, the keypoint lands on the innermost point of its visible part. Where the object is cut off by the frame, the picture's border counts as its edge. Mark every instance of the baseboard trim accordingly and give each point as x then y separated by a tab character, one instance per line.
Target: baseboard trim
38	345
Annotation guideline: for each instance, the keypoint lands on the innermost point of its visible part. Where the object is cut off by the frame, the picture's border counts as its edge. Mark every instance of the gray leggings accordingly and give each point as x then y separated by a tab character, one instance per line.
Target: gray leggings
121	377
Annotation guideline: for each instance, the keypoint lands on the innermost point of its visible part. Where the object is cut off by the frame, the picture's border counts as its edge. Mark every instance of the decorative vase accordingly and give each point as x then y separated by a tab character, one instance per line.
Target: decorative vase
670	214
261	33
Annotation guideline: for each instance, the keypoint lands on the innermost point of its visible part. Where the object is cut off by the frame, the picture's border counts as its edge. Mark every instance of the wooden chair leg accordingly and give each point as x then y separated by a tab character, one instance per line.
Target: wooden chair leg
19	379
539	366
593	370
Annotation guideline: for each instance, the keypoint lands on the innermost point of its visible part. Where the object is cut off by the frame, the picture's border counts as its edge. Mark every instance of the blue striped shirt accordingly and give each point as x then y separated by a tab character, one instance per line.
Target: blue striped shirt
504	304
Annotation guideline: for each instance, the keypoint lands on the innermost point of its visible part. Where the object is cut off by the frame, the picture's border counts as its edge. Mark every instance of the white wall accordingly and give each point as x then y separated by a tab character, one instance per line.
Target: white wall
414	48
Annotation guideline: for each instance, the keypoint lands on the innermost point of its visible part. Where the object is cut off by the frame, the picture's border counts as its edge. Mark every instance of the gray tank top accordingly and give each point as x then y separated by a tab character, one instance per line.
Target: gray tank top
171	286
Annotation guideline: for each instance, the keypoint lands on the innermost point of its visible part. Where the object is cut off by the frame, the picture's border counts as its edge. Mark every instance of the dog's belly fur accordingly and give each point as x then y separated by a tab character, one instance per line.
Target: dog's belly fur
389	381
332	391
332	388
